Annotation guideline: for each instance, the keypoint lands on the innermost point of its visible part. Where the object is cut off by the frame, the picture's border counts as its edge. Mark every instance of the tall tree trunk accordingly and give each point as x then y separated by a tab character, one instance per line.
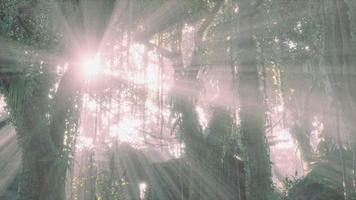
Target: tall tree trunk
258	174
41	177
340	65
41	131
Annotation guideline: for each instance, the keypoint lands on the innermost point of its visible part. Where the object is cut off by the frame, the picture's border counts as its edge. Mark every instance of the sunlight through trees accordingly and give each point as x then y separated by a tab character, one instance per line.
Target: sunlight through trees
177	100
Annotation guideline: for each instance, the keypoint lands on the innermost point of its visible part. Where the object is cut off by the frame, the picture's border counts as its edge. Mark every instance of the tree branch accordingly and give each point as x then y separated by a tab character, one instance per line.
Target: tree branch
198	39
211	16
64	101
257	4
164	52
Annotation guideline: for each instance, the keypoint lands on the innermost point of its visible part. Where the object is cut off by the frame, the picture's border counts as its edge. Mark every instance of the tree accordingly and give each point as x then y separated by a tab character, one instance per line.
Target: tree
45	117
258	175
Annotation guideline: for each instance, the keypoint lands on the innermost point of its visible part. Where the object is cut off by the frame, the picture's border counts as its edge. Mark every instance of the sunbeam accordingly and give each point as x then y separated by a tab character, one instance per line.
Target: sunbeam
91	65
177	100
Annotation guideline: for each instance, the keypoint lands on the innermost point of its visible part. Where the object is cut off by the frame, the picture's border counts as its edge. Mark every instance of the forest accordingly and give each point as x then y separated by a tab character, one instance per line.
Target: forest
177	100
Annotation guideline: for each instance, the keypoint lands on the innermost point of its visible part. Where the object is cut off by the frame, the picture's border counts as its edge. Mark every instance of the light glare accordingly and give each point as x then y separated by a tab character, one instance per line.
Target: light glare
91	65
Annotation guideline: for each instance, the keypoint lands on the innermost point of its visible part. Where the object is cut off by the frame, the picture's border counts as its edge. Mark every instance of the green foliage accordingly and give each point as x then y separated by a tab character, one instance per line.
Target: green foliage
284	46
8	12
111	184
289	183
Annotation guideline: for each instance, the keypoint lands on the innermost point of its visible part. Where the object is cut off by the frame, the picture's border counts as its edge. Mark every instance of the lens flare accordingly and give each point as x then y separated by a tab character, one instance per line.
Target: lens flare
91	65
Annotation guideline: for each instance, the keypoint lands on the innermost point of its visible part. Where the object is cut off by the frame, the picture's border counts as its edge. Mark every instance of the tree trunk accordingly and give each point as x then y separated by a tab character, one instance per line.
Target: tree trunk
45	154
339	63
43	174
40	180
258	174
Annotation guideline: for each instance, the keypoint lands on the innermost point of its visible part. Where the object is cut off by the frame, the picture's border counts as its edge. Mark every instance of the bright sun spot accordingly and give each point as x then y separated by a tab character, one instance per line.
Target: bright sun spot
142	188
126	130
91	65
